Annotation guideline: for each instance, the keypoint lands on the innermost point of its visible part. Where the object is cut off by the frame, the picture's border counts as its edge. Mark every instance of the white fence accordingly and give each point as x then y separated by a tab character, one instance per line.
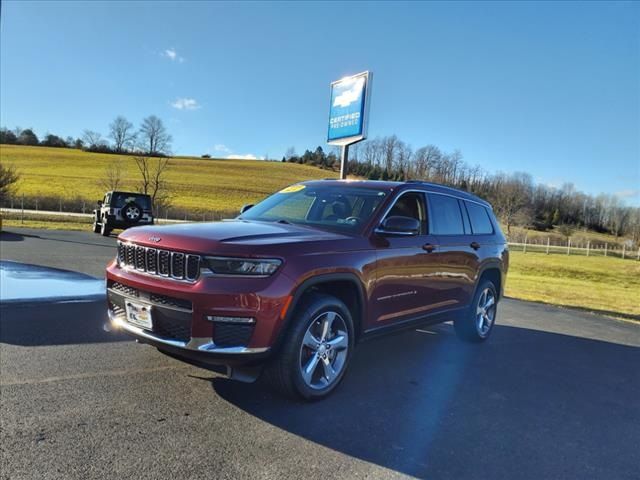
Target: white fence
602	250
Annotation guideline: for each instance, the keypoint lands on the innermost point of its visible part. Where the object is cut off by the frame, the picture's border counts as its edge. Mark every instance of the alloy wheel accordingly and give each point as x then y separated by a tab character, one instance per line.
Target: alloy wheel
324	349
485	312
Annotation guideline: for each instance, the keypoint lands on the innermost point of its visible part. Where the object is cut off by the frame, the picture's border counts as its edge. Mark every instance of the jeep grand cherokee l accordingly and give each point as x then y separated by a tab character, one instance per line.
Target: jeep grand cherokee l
292	284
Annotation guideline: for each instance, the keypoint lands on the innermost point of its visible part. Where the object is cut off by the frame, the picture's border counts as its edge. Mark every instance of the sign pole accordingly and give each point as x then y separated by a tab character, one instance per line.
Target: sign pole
344	162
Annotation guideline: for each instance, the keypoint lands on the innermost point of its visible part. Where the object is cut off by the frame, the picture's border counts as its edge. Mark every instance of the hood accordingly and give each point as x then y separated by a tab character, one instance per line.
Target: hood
228	237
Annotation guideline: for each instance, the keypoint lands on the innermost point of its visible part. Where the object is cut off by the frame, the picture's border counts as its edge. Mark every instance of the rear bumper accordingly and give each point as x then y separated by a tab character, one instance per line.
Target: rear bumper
122	224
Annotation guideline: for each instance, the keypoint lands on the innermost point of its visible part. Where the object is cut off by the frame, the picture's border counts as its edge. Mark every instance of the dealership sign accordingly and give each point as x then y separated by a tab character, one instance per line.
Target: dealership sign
349	109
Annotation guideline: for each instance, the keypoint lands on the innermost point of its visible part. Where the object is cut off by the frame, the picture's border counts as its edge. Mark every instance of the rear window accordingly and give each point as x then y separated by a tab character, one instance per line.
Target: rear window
446	217
119	200
480	220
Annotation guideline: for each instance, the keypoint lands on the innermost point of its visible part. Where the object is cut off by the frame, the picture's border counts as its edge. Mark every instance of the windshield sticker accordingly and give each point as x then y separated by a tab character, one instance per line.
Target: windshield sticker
292	189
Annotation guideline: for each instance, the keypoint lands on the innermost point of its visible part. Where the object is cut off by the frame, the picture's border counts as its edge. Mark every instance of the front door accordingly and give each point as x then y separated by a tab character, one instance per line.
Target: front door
406	285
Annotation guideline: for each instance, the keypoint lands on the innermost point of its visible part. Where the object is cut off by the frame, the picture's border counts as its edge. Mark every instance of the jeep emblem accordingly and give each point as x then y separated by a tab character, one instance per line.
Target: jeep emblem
154	239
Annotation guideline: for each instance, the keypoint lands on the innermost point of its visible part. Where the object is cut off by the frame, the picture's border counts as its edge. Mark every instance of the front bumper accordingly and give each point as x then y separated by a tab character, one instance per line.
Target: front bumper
198	344
172	332
181	314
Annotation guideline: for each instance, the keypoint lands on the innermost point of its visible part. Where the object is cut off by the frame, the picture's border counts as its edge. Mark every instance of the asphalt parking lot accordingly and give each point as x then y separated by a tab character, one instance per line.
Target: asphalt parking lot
553	394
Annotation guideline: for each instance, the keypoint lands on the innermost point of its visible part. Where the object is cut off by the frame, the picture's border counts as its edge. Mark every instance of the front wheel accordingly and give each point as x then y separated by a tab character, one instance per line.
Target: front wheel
105	231
316	350
477	323
96	226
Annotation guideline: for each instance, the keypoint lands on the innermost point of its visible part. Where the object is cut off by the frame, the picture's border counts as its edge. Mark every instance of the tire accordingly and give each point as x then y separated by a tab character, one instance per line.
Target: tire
131	213
105	231
477	323
96	226
285	371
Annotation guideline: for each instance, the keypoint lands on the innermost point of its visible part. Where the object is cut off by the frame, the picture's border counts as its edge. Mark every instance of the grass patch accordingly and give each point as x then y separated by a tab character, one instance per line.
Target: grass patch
202	185
46	224
604	284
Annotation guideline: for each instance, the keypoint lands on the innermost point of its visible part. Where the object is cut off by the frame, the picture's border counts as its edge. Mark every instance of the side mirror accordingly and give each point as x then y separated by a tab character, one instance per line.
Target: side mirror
99	202
398	225
245	208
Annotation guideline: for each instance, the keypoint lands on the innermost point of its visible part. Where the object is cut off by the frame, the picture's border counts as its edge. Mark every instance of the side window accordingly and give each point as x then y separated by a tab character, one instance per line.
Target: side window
480	221
465	218
410	205
446	217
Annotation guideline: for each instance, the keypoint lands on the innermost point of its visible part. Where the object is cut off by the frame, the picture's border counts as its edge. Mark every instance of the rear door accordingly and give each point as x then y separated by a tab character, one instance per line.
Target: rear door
484	233
458	254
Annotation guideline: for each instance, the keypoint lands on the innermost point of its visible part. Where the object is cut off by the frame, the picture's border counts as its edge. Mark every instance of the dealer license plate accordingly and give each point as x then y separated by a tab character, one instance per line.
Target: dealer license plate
139	315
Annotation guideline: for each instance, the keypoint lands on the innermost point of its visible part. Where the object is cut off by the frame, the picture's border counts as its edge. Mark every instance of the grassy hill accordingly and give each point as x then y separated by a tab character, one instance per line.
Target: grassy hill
198	185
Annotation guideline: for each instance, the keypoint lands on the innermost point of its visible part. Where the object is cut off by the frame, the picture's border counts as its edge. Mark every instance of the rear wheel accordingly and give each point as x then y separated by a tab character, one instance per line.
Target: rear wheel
316	351
476	325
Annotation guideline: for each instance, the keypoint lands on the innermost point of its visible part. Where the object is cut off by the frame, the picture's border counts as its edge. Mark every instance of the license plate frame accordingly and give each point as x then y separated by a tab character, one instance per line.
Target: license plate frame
139	315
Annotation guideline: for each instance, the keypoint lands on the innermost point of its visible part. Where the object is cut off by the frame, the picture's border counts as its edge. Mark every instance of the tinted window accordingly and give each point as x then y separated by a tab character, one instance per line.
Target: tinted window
410	205
480	221
119	200
446	218
465	218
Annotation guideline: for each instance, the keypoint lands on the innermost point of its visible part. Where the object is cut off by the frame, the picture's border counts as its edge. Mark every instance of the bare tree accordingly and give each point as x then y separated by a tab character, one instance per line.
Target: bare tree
153	182
513	198
153	136
8	179
290	153
390	146
112	177
92	139
122	133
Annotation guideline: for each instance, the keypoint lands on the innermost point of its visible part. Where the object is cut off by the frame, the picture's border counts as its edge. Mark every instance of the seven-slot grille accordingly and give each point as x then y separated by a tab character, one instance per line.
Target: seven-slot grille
165	263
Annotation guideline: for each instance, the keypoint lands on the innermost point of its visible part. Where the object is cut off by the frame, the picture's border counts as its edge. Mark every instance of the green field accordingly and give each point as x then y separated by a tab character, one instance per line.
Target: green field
197	185
602	284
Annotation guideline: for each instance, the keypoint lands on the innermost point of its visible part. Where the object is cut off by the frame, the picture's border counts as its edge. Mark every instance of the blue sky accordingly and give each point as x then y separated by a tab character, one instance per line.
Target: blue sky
548	88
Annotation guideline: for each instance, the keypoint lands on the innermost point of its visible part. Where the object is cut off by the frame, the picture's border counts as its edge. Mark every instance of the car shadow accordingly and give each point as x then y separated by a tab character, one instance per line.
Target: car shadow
51	237
11	237
64	323
526	404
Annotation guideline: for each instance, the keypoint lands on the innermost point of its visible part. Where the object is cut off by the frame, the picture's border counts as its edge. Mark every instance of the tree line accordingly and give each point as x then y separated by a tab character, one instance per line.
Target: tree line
516	198
151	138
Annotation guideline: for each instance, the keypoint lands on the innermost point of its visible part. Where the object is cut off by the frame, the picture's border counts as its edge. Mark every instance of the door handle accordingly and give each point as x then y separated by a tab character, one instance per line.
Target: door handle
475	245
428	247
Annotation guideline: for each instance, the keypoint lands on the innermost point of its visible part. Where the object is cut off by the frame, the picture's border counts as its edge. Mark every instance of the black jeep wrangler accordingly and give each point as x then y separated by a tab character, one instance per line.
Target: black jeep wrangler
122	210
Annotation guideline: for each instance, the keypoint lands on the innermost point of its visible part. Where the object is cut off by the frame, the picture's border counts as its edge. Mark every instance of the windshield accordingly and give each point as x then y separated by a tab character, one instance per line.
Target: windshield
333	207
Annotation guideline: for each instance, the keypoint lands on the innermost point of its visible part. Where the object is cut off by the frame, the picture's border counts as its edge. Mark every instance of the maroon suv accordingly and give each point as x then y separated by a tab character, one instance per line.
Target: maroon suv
293	283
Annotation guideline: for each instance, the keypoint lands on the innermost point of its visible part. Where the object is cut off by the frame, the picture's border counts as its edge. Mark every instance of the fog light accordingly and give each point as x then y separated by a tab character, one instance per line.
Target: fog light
240	320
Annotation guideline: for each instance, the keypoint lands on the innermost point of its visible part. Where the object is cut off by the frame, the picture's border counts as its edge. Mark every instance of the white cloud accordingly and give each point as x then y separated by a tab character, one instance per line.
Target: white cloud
630	193
351	95
185	104
219	147
248	156
172	55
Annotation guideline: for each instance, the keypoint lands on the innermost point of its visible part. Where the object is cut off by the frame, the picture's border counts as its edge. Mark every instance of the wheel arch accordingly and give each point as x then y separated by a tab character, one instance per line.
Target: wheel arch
492	271
345	286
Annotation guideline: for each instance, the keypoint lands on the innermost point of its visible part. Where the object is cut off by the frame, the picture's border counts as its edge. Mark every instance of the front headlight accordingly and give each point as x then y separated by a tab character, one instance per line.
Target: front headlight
242	266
